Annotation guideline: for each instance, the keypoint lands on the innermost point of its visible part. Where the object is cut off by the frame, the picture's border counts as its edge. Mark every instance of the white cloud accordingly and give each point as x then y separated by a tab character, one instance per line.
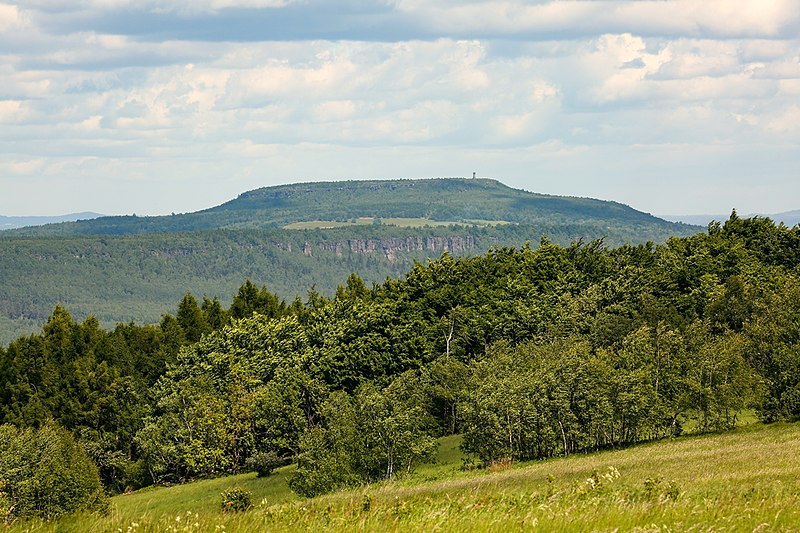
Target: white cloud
11	111
756	50
10	17
333	110
721	18
789	88
153	5
26	167
564	87
787	122
690	58
220	4
786	68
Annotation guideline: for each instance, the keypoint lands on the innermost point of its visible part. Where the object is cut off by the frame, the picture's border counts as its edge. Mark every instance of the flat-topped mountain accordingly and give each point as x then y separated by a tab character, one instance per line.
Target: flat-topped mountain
444	199
415	202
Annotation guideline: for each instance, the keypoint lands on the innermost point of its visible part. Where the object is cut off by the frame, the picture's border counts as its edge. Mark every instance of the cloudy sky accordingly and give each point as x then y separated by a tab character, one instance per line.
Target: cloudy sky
159	106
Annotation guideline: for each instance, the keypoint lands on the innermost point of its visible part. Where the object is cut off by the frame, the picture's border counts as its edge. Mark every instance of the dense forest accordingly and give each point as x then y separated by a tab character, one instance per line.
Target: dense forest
527	352
140	277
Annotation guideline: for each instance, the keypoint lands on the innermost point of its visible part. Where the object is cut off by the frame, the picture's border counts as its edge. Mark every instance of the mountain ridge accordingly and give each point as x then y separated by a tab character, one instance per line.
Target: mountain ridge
15	222
456	200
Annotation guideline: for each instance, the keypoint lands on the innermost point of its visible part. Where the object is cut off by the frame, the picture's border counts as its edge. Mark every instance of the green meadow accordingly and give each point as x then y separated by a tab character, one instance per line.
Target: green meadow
391	221
744	480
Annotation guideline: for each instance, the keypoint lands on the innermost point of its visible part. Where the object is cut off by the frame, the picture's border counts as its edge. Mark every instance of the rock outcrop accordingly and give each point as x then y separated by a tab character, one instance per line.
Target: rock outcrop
389	247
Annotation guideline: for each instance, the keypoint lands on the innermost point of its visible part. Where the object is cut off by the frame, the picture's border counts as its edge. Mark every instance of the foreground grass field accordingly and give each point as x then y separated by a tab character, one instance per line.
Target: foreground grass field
745	480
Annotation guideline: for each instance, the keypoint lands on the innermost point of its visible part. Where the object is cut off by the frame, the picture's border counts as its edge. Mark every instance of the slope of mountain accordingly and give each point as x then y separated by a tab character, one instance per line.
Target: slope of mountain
137	268
22	222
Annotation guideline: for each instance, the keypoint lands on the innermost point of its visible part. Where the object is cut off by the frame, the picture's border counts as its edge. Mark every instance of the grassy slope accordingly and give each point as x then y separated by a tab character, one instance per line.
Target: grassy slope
745	480
399	222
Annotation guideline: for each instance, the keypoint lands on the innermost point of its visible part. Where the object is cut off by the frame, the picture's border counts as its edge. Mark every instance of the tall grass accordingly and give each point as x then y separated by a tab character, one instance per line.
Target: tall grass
745	480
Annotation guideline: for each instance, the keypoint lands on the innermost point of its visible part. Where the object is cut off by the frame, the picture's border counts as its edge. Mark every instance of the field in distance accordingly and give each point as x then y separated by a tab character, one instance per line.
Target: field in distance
399	222
744	480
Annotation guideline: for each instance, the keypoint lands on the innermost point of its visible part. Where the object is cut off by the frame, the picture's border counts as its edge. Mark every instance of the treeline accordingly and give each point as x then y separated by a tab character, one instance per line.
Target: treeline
528	352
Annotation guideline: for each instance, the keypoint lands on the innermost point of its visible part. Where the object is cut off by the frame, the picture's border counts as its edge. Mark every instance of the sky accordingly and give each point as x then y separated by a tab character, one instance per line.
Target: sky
160	106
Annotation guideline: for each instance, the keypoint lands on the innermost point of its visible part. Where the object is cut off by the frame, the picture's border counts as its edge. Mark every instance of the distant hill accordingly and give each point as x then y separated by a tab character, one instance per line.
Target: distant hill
137	268
453	200
789	218
22	222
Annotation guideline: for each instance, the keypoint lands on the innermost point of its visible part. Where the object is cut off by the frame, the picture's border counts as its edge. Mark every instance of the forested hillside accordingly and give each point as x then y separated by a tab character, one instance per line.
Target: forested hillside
528	352
140	277
123	269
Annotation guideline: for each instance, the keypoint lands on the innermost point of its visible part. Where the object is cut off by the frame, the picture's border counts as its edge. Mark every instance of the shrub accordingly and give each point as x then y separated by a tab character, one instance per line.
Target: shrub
264	463
236	499
46	474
